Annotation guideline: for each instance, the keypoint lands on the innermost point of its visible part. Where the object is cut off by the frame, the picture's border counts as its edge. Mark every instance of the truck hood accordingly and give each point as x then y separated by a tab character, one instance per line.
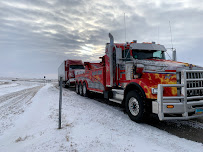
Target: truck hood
160	65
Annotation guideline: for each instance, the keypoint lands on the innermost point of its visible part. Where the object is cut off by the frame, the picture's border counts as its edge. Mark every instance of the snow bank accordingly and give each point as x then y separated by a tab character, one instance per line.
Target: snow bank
88	125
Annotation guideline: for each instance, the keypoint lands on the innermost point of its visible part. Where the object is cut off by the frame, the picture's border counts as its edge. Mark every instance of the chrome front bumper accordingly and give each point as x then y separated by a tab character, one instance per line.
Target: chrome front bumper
181	106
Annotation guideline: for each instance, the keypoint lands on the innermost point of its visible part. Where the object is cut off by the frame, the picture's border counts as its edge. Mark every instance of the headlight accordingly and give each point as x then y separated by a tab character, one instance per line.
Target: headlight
154	90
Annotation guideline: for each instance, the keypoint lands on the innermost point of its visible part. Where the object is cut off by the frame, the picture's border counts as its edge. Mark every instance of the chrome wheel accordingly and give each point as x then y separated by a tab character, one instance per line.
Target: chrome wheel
133	106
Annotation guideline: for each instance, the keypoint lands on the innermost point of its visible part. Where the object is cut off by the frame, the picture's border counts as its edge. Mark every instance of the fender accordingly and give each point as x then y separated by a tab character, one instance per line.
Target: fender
134	86
143	85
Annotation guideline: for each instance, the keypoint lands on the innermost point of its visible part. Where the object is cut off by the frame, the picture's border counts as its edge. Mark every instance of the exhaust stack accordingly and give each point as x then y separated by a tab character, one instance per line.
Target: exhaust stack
111	58
174	55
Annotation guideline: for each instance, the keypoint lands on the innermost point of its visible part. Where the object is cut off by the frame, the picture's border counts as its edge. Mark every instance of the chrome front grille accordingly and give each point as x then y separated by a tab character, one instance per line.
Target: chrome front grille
194	81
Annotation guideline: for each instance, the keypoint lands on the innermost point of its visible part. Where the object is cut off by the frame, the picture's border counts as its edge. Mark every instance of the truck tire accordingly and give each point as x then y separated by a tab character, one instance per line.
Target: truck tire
134	106
67	85
84	89
80	89
77	88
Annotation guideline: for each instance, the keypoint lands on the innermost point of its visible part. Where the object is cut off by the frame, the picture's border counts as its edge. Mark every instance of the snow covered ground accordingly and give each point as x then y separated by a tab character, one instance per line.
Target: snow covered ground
13	87
29	122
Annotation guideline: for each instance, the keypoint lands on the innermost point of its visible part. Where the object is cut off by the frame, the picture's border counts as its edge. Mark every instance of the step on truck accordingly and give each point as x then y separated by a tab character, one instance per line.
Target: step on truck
138	76
67	71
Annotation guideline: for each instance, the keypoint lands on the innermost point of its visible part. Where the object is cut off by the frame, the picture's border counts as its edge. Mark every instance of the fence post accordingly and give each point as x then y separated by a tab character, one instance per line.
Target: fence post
60	102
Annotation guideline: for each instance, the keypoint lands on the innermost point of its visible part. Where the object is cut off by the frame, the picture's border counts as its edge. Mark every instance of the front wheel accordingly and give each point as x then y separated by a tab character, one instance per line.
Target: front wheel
134	106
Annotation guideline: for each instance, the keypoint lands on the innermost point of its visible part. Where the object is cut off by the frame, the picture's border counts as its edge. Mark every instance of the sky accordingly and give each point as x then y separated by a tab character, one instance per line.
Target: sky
37	36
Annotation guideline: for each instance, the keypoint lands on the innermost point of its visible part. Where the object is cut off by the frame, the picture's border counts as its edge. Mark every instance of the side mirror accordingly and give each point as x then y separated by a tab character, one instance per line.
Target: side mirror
174	55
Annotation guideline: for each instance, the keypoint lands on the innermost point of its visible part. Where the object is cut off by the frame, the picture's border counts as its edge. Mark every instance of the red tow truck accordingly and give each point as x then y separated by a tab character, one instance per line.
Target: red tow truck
67	71
138	76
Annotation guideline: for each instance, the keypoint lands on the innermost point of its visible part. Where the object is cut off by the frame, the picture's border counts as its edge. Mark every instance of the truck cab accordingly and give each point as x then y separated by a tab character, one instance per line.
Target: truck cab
67	71
71	67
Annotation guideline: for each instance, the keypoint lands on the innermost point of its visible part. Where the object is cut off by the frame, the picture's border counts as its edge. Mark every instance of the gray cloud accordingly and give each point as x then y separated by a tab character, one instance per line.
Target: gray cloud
36	36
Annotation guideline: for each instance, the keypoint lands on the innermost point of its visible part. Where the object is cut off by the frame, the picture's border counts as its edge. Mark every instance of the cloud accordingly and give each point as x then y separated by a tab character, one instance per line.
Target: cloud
41	34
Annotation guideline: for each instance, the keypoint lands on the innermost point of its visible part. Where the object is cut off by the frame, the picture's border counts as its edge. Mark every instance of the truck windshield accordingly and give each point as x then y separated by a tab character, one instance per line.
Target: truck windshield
148	54
76	67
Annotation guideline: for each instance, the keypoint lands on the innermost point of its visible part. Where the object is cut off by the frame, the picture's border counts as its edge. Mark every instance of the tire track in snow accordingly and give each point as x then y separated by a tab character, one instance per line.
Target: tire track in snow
6	97
14	104
3	83
9	85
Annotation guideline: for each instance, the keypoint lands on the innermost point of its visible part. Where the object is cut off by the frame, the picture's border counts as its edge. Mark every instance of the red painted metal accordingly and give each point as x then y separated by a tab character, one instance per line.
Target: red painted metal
67	72
97	75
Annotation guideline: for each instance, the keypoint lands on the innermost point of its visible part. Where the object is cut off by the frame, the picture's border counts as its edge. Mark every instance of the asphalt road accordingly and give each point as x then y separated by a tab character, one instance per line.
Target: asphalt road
190	129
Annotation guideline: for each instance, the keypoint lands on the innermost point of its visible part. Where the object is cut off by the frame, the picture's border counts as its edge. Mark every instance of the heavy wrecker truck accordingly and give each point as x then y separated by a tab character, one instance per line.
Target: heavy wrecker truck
138	76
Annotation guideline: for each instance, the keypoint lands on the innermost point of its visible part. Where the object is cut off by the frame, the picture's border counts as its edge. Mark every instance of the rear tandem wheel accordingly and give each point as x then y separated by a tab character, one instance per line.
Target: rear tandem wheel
76	88
85	91
80	89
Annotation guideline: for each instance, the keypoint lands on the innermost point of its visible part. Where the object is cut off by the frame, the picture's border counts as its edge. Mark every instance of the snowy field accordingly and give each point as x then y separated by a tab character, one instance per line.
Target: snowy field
29	122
